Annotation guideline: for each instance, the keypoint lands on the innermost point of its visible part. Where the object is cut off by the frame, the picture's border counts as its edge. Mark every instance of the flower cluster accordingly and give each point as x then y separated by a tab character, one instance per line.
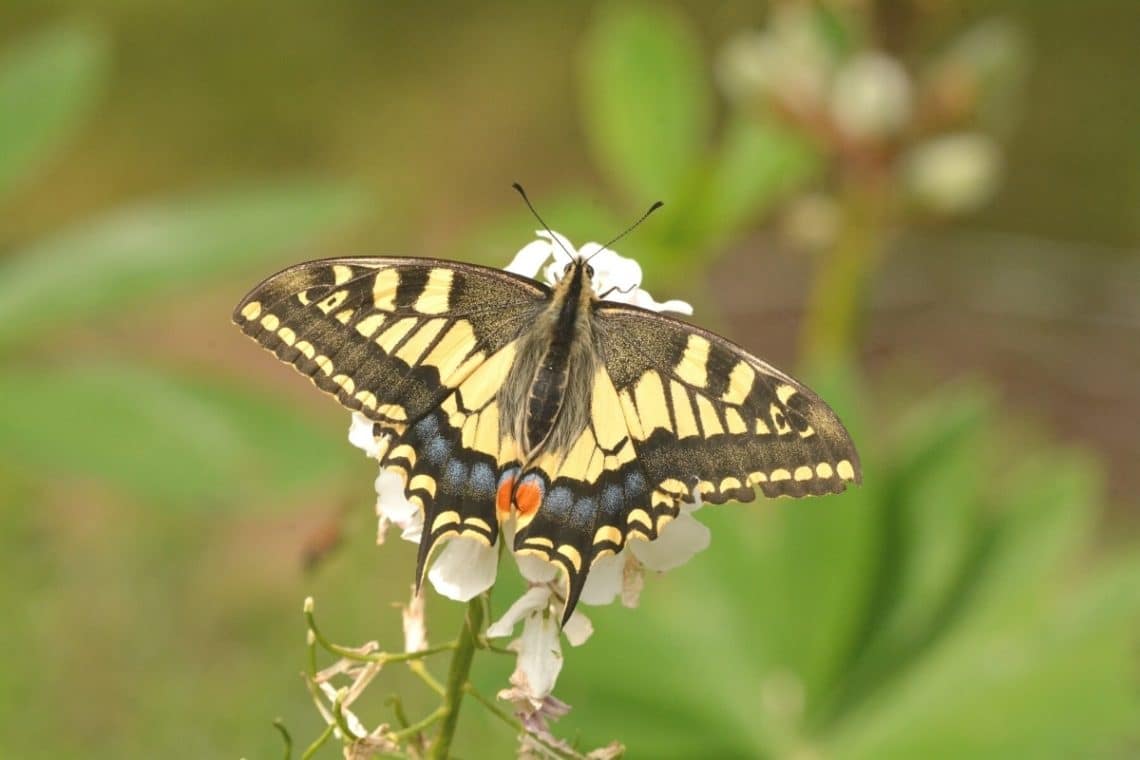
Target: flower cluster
465	568
935	127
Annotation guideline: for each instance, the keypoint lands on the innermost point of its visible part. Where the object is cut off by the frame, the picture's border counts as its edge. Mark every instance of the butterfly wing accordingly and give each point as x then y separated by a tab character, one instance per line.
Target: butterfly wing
706	414
677	410
389	337
420	347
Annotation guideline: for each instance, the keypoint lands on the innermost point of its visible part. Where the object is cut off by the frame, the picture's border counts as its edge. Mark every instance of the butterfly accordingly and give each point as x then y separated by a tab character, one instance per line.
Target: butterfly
587	420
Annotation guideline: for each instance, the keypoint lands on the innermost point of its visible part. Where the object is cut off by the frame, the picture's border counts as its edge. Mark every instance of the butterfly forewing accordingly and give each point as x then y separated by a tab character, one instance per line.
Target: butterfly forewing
391	338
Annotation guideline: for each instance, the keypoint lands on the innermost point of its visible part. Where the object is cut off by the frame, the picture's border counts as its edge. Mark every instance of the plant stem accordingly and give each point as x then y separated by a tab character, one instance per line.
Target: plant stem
832	322
457	677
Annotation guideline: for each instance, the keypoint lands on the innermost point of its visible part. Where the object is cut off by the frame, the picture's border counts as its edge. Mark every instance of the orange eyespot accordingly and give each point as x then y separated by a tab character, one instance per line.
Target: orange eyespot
528	496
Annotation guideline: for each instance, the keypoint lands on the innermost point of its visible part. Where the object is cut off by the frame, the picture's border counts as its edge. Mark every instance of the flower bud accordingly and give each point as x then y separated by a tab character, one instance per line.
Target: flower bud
871	97
954	174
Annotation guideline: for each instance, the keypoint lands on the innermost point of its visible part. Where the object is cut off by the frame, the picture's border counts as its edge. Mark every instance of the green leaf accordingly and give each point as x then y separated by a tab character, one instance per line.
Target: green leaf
1057	681
646	104
48	86
158	248
188	444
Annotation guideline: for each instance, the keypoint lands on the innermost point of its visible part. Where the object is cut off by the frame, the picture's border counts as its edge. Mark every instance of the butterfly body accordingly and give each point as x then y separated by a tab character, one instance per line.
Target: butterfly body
583	422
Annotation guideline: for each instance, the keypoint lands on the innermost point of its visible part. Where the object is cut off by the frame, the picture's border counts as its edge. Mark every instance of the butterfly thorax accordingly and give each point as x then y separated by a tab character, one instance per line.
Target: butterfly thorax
547	393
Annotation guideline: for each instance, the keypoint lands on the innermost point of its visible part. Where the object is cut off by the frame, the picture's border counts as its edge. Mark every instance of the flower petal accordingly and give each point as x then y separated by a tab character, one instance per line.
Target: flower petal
540	656
560	245
361	436
529	260
465	569
604	582
612	270
578	629
390	499
642	298
535	599
536	569
676	544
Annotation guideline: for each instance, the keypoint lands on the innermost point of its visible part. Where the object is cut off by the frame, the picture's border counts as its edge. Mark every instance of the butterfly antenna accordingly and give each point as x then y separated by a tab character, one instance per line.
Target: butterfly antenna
545	226
629	229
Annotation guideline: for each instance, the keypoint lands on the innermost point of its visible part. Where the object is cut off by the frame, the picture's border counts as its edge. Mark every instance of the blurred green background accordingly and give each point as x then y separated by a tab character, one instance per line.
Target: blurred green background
930	209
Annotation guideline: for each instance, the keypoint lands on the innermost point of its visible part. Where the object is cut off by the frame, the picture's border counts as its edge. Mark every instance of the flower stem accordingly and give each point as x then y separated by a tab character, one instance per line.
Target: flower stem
457	677
832	323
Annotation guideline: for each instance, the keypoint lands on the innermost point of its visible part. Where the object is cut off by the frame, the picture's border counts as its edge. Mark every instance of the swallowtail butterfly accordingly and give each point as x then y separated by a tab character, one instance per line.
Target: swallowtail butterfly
589	420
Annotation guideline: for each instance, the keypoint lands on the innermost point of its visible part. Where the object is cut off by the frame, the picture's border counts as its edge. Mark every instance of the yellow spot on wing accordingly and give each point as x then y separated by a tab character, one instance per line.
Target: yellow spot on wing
640	516
287	336
710	423
306	348
844	469
572	554
779	474
762	427
729	484
823	470
785	392
693	366
450	352
651	407
682	410
251	310
370	324
325	364
367	398
485	381
477	522
607	533
341	274
803	472
345	382
444	519
393	334
436	295
424	482
384	289
487	435
632	419
740	382
415	346
734	421
606	412
270	322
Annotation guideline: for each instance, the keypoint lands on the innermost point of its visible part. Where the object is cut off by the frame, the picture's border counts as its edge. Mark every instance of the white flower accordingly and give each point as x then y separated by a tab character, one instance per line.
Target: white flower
954	174
539	647
622	575
871	97
615	277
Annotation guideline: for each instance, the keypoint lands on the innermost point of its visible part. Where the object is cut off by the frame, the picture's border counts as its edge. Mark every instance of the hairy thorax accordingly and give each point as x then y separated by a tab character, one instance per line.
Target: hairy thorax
546	399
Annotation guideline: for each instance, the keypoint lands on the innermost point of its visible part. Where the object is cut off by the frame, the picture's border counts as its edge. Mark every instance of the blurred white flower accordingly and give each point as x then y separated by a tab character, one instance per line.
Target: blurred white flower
788	60
954	174
871	97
